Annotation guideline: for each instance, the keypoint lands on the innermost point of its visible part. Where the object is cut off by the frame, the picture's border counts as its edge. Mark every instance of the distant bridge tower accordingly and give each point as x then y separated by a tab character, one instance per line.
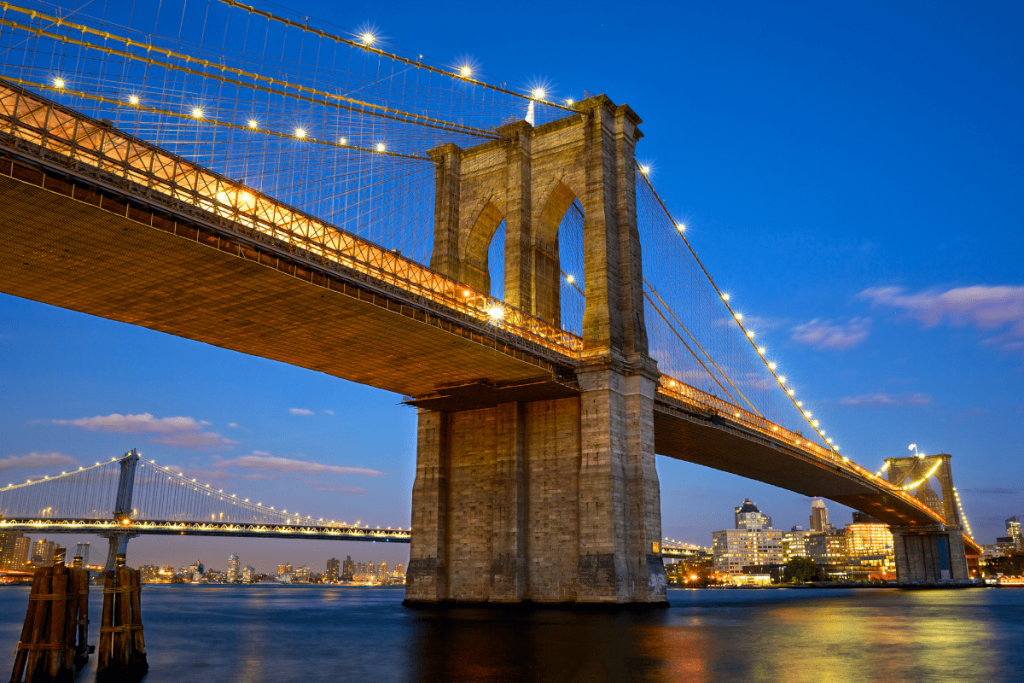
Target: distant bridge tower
928	554
118	538
547	493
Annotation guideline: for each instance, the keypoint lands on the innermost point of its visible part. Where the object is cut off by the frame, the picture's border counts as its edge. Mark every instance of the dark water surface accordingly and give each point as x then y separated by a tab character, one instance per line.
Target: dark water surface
306	634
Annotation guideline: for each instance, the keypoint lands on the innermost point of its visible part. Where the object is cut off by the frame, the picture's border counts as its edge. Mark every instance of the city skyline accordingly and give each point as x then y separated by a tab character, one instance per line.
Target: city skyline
841	229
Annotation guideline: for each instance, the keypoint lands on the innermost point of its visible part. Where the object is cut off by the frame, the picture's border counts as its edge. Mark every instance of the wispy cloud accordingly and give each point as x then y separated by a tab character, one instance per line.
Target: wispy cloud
300	411
356	490
328	411
997	491
882	400
979	306
261	461
37	461
827	335
181	432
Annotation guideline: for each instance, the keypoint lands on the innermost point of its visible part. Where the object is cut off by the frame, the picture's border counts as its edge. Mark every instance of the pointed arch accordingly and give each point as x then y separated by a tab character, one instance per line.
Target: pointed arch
547	272
475	269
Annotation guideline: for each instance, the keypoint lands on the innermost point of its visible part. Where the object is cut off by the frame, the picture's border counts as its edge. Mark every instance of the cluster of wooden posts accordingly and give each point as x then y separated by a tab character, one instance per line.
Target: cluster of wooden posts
54	639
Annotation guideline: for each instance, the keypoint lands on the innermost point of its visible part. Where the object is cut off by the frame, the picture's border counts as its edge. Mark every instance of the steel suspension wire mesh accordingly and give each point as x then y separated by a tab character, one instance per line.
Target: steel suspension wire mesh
312	118
695	337
85	493
162	493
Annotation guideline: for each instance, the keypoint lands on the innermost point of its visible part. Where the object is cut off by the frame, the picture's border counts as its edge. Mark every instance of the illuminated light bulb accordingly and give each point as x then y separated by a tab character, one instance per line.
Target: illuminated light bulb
570	279
807	413
646	170
59	83
828	441
814	422
368	38
750	334
773	365
381	147
822	432
300	133
466	71
791	391
496	313
254	124
539	93
570	102
342	141
133	99
782	380
738	316
799	404
681	227
197	113
725	297
735	414
775	429
761	350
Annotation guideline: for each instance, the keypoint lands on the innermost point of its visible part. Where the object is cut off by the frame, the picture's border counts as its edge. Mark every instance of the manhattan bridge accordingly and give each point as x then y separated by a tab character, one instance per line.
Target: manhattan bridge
496	256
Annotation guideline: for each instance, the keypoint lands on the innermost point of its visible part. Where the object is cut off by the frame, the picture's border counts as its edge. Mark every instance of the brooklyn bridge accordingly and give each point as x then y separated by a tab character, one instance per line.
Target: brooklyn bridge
499	259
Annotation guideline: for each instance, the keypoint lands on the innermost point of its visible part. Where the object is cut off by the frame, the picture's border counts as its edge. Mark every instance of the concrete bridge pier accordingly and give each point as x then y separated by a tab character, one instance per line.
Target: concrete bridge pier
929	555
551	496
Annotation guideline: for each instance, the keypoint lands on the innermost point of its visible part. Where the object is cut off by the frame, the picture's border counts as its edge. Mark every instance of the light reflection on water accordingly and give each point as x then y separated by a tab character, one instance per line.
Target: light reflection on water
256	634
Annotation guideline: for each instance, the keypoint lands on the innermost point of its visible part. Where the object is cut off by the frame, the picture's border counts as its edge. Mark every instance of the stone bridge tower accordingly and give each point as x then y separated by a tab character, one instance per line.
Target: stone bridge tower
545	499
932	554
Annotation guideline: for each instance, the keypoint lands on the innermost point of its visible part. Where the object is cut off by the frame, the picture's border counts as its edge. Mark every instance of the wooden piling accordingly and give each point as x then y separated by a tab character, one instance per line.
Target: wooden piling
122	645
46	650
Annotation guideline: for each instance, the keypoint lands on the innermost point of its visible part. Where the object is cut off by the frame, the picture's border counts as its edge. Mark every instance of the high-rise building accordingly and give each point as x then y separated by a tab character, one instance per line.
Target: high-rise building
82	551
819	516
42	553
348	569
283	569
248	574
752	543
1014	531
302	574
750	518
14	548
332	570
234	568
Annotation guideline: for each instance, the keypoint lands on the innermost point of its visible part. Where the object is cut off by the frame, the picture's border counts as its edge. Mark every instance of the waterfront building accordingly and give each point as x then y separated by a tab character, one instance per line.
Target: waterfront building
14	549
248	574
234	568
42	553
752	542
348	569
828	550
82	551
302	574
794	543
819	516
283	569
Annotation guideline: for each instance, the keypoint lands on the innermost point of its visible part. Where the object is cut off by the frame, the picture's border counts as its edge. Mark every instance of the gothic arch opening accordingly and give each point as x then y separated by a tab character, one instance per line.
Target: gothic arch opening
476	257
558	277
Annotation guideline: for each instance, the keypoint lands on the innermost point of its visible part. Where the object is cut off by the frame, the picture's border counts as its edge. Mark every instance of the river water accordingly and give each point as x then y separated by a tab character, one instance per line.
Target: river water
271	634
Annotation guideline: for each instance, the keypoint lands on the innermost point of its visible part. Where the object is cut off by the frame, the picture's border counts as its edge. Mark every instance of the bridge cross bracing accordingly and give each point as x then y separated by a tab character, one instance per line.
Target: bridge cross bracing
323	174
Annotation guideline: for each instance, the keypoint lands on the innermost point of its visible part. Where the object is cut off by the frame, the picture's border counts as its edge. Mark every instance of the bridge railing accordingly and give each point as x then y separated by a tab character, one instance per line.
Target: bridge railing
82	140
713	405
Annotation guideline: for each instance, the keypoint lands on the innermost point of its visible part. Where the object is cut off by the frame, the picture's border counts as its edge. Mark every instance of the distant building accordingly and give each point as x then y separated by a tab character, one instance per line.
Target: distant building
348	569
283	569
869	549
333	567
1013	530
82	551
42	553
234	568
794	543
819	516
752	543
302	575
14	549
828	550
249	574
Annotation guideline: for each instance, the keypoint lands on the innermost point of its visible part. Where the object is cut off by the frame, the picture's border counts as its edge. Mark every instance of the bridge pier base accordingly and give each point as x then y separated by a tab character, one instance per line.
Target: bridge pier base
929	555
553	501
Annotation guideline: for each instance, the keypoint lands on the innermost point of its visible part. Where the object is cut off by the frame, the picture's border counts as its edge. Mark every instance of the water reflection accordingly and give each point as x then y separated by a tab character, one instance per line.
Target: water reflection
273	634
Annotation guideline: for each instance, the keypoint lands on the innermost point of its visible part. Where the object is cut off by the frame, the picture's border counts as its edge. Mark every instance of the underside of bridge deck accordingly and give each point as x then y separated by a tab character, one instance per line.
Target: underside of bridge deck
175	278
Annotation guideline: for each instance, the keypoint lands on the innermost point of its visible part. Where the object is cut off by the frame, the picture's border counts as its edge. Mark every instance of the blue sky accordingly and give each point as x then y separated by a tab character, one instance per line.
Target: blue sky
853	174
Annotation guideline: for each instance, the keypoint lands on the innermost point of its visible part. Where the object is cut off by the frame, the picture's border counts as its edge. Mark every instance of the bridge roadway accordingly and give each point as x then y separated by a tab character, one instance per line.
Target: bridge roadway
332	532
99	222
